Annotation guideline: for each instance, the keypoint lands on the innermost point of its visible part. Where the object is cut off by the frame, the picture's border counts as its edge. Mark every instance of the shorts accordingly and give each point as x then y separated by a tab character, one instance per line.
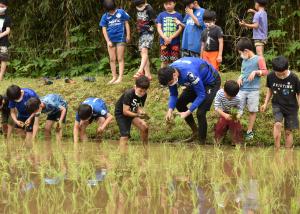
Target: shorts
124	124
26	128
211	58
291	121
169	53
146	41
117	44
187	53
260	42
234	127
5	115
56	116
4	55
251	99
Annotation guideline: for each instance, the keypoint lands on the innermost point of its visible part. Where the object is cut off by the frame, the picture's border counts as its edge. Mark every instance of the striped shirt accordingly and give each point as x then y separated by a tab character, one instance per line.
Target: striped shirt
221	102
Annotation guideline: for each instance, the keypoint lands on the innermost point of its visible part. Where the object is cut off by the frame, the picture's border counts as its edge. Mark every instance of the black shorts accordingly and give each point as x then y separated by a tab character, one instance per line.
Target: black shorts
124	124
26	128
56	116
5	117
291	121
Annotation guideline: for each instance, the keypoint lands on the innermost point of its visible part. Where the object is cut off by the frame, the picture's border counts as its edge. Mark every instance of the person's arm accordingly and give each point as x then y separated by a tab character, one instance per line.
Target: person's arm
5	33
251	26
107	121
160	32
223	114
63	112
267	100
177	33
76	132
202	49
13	114
263	71
127	27
127	112
105	34
191	13
35	127
221	47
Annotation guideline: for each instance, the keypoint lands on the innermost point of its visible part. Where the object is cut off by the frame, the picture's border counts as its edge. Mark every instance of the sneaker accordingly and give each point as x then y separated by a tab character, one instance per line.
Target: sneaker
89	79
249	135
47	81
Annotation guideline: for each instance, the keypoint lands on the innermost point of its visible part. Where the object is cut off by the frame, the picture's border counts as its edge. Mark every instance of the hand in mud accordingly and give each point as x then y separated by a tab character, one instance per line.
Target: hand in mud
27	122
100	131
144	116
59	125
20	124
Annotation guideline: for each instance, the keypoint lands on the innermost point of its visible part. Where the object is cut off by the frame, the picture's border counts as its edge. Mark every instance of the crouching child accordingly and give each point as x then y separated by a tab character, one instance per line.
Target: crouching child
92	109
228	106
129	110
55	107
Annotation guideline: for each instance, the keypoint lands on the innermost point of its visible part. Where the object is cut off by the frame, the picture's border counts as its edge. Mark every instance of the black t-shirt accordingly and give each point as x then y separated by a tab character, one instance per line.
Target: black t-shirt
284	92
146	20
211	37
129	98
5	22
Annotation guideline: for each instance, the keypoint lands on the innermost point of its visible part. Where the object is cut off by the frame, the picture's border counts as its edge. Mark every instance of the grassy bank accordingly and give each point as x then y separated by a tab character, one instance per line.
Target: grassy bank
156	106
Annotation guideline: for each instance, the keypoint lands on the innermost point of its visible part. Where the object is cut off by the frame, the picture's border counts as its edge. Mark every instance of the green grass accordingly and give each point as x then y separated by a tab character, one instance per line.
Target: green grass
156	106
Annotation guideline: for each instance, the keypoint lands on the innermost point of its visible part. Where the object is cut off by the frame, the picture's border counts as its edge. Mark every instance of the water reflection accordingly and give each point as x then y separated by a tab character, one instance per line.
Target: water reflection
158	178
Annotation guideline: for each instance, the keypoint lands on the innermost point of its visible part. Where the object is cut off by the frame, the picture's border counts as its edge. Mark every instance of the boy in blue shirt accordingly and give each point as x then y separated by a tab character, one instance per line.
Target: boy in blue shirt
17	104
55	107
116	31
92	109
193	26
253	68
169	33
259	26
202	82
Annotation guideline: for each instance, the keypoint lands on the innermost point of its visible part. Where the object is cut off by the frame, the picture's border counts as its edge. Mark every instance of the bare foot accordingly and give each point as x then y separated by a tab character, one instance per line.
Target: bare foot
119	80
138	74
149	76
112	81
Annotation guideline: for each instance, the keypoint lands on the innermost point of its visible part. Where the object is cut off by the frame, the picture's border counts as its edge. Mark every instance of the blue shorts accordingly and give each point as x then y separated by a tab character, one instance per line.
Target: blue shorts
56	116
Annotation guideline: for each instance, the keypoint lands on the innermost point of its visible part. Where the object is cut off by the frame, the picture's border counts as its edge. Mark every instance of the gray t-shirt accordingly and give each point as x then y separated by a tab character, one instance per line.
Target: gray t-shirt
261	32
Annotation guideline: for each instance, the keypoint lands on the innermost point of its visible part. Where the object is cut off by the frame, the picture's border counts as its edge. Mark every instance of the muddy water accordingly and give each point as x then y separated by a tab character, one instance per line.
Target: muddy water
163	178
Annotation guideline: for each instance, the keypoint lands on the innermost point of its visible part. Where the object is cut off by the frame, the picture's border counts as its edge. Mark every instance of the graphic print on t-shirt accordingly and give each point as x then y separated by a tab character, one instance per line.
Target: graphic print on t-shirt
1	24
284	89
170	26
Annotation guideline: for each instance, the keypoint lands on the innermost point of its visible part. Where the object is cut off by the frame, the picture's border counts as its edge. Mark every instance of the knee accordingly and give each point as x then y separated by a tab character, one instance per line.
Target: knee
120	59
112	60
277	125
288	133
145	127
47	130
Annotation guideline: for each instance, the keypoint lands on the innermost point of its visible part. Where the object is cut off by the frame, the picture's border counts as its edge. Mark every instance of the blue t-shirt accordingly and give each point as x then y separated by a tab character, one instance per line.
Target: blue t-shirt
98	106
53	103
195	73
115	25
168	25
21	106
261	32
191	38
248	66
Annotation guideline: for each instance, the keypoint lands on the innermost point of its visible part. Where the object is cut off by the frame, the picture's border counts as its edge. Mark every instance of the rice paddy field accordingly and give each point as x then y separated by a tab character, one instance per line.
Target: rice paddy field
165	177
